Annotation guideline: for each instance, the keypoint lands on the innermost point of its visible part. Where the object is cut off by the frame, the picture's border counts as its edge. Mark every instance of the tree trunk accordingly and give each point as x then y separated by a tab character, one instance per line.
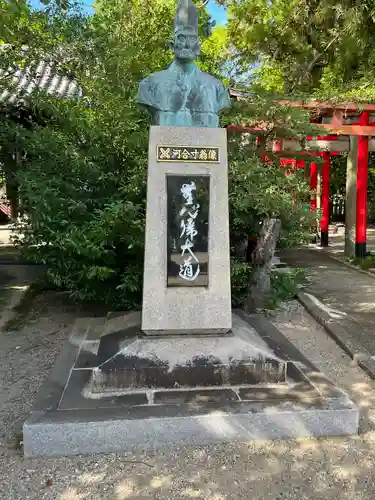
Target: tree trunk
350	197
11	183
260	286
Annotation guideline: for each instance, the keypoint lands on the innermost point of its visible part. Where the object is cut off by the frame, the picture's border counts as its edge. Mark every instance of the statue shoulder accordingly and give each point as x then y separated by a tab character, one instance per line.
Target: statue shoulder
211	79
222	93
150	89
155	78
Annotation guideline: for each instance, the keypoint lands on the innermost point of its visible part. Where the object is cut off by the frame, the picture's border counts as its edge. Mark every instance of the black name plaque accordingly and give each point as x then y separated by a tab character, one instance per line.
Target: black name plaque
194	154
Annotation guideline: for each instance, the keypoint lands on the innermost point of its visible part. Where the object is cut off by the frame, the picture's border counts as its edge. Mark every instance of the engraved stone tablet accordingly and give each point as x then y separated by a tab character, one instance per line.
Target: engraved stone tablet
188	198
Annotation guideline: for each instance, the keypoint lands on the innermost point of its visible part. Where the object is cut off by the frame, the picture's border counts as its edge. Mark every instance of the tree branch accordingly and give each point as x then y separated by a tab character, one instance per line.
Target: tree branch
315	60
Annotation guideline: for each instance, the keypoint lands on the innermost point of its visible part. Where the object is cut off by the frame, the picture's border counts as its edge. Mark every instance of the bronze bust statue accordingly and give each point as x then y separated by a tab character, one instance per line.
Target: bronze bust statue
183	95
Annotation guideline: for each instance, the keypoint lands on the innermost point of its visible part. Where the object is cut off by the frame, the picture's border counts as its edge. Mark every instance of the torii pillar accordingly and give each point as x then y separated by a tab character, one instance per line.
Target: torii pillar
362	183
324	222
313	184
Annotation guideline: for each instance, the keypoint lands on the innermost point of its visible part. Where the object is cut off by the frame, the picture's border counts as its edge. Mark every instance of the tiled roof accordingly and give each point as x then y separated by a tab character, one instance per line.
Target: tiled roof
45	77
238	93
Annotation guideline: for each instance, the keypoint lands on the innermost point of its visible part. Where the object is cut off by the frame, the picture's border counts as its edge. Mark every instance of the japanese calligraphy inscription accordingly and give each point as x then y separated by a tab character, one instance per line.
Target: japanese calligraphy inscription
187	230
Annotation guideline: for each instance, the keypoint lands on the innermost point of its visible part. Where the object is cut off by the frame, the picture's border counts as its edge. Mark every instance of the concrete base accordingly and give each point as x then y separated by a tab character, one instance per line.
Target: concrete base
128	360
70	419
60	434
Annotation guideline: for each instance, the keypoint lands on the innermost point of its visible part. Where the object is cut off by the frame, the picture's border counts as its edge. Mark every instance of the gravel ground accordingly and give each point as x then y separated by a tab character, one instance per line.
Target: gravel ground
340	468
26	357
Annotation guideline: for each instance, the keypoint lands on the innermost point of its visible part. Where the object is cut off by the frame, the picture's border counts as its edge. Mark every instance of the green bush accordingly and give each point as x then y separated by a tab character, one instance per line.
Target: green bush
240	278
367	263
285	285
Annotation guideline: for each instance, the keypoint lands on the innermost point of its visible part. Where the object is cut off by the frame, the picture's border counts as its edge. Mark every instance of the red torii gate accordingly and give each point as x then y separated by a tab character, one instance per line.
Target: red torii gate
363	129
325	180
338	124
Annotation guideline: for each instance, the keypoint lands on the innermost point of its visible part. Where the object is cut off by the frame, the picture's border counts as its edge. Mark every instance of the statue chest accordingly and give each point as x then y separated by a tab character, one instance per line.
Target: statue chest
194	96
185	118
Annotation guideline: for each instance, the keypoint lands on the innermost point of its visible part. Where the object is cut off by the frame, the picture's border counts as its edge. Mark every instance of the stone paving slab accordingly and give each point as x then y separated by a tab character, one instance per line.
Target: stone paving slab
342	300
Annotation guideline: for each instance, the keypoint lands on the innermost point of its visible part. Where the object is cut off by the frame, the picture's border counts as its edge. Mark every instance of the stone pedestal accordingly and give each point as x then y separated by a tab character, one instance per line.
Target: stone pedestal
112	389
186	286
132	363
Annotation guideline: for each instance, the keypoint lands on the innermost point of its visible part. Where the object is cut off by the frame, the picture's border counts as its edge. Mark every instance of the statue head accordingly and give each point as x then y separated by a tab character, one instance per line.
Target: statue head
185	45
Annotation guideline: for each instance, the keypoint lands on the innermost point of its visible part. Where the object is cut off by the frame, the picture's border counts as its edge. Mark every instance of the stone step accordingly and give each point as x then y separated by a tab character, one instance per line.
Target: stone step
127	360
134	373
300	393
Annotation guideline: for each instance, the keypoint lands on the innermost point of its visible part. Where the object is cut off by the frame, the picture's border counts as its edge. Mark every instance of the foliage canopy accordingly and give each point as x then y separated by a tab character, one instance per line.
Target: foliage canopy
306	45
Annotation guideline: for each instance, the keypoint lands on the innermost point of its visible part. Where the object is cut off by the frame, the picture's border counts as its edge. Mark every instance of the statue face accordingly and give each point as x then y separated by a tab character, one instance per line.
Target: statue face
186	44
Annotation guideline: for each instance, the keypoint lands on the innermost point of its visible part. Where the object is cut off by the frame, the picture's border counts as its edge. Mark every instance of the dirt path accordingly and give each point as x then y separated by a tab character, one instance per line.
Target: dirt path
341	288
15	282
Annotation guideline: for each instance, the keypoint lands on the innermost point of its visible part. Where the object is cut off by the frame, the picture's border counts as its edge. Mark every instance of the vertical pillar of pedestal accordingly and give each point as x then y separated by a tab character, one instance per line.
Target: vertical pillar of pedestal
361	198
324	222
186	285
313	184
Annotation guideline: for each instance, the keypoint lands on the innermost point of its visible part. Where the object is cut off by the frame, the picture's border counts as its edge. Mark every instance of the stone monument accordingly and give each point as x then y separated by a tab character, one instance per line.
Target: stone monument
188	370
186	287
